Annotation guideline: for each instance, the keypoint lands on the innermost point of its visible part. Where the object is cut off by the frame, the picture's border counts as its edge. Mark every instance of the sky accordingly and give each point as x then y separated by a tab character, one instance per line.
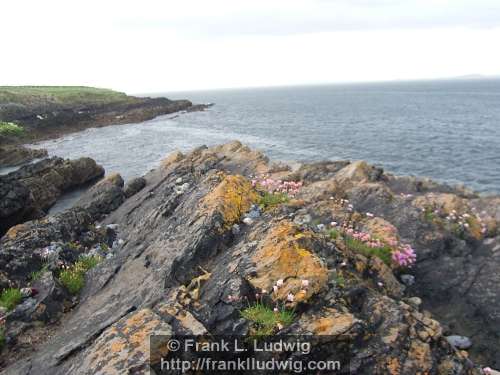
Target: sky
160	46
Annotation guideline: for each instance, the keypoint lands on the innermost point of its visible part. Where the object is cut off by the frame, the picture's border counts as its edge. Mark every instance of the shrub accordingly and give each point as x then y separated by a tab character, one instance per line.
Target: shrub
8	129
10	298
267	320
73	278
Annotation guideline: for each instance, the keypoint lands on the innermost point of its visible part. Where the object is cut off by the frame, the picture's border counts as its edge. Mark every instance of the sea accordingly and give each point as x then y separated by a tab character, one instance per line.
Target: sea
448	130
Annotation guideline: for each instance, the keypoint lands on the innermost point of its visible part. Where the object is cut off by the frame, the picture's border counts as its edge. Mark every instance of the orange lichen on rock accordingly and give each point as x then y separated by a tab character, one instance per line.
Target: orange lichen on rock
126	345
330	322
231	198
15	230
283	255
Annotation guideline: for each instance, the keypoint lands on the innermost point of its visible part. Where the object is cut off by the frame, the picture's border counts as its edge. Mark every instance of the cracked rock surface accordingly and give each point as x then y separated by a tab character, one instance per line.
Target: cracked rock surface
181	267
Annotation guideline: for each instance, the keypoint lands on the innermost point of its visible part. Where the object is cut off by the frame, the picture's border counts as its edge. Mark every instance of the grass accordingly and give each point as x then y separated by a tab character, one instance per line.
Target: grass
269	200
383	252
2	337
8	129
73	278
10	298
265	319
35	275
63	95
358	246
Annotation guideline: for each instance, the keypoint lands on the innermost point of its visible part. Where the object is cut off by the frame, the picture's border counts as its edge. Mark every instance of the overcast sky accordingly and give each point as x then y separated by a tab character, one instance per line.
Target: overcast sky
153	46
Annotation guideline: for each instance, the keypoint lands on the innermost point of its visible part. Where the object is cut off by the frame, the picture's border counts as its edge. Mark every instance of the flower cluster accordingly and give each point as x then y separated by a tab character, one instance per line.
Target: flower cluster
272	186
364	237
404	256
291	297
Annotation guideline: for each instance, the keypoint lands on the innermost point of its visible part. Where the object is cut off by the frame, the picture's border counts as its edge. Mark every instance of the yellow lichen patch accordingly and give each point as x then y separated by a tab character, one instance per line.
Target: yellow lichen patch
329	321
419	359
174	157
15	230
126	345
282	255
231	198
393	366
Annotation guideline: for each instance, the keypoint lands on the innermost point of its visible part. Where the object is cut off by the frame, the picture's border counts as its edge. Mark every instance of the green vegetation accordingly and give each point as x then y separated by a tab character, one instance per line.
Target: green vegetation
334	234
383	252
62	95
10	298
267	320
73	278
35	275
9	129
358	246
269	200
2	337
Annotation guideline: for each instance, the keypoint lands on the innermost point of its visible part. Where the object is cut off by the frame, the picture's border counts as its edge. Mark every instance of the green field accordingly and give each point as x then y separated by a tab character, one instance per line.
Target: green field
60	95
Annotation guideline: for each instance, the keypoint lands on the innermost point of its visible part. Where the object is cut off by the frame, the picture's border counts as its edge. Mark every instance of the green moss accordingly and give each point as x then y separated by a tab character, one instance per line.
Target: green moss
10	298
73	278
270	200
9	129
266	320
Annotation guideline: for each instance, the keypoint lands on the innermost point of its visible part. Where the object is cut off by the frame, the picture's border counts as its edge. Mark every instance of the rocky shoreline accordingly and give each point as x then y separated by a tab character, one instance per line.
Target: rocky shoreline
44	117
193	245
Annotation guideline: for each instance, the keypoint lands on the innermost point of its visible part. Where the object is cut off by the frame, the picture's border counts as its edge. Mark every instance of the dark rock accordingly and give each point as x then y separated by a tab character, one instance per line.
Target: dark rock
28	192
14	155
103	197
134	186
460	342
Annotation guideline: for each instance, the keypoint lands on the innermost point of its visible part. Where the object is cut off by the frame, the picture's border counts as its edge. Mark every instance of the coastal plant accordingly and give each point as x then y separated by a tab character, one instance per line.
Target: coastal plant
460	224
2	337
73	277
10	298
9	129
269	200
36	275
390	252
275	192
267	320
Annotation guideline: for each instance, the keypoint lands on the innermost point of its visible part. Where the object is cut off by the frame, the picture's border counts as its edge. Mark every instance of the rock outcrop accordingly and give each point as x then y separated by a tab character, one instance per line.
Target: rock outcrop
200	242
30	191
14	155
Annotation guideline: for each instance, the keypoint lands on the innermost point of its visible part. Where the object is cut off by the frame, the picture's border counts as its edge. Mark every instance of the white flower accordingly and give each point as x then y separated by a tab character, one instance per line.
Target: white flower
280	326
305	283
275	310
368	214
333	223
279	283
290	297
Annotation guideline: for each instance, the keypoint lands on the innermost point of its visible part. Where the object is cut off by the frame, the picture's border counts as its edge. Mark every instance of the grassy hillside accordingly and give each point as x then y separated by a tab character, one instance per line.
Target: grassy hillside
59	95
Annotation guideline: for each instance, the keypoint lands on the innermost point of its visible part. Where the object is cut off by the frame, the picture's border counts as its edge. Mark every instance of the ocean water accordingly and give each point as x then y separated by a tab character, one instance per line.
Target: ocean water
446	130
